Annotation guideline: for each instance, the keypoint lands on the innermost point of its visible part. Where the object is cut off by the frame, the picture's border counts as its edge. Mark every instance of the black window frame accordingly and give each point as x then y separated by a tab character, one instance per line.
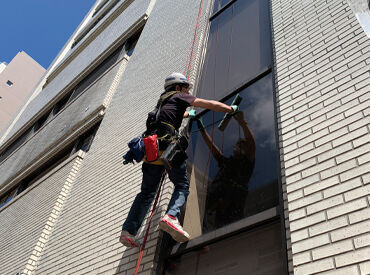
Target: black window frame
272	215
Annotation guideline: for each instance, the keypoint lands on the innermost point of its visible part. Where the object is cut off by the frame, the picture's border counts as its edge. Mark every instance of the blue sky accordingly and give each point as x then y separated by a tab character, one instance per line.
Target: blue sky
38	27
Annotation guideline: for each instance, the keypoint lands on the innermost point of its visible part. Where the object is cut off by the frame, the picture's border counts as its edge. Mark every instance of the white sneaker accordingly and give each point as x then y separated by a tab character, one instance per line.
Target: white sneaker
128	239
172	226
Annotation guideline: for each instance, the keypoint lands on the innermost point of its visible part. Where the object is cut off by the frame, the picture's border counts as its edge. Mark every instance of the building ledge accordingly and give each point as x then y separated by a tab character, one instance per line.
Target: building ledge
226	231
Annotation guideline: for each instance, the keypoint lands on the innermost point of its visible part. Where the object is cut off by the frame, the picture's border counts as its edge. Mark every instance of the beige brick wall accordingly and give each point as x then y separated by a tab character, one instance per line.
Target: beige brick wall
86	236
28	220
323	88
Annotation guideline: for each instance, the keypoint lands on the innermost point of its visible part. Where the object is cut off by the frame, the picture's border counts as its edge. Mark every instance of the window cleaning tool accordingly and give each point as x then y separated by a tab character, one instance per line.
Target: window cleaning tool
225	121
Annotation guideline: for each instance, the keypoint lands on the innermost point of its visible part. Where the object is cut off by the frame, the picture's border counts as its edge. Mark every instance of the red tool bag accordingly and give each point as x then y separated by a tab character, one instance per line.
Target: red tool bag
151	148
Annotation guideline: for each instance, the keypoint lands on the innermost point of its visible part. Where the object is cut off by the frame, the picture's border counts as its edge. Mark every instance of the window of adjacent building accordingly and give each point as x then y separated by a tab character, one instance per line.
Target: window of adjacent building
235	170
85	140
126	49
9	83
41	121
61	103
94	23
131	43
82	142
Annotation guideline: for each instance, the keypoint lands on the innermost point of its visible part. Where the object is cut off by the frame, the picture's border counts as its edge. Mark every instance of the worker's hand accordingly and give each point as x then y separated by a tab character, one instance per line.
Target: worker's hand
200	124
235	109
192	113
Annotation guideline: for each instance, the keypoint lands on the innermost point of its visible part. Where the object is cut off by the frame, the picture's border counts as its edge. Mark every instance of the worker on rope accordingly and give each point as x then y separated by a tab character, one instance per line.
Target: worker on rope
164	123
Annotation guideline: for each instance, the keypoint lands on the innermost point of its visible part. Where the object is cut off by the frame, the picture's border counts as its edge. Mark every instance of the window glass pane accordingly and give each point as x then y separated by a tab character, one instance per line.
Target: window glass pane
238	178
207	86
219	4
258	252
40	122
251	43
223	47
97	72
239	48
131	43
61	103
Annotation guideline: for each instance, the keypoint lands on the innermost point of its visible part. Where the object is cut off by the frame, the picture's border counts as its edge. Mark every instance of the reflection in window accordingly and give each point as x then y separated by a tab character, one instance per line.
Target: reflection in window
235	171
219	4
238	50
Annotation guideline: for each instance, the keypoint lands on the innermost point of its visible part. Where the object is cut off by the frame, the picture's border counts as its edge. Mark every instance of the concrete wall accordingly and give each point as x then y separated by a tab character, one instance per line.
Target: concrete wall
322	81
24	73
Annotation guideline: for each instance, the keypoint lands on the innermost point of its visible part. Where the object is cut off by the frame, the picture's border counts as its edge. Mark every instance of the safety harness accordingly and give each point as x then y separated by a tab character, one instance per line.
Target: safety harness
187	71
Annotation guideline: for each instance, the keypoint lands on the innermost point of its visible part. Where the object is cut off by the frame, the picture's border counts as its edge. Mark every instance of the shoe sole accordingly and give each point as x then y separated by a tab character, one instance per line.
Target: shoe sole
175	234
127	242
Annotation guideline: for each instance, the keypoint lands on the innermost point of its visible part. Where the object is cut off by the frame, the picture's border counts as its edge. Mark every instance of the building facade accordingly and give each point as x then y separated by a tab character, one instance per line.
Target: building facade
17	80
284	188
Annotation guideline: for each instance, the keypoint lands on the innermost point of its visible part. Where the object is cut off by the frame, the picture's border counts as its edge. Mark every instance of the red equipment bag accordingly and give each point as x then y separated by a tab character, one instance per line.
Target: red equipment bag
151	148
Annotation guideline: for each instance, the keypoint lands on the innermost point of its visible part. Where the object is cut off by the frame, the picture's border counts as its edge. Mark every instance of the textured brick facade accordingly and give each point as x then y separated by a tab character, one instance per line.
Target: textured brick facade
28	220
322	84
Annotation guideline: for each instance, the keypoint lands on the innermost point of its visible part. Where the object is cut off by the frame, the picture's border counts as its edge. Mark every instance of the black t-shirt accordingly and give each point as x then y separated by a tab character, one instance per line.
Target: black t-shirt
173	110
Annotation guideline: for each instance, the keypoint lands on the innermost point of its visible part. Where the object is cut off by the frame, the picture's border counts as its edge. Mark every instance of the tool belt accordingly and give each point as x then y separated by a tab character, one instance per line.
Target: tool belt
172	146
175	152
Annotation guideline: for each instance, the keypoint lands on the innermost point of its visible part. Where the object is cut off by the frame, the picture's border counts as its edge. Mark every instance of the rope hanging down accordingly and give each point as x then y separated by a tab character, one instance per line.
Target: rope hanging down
187	71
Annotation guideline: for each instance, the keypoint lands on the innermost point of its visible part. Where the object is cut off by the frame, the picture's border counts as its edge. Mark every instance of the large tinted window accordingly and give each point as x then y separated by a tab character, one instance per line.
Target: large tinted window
235	170
239	48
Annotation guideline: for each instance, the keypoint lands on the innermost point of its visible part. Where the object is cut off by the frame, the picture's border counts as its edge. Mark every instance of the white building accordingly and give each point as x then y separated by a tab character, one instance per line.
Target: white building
302	69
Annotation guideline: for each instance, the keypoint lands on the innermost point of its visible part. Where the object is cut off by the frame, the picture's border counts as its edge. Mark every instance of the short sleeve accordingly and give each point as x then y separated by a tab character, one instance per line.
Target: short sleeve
188	98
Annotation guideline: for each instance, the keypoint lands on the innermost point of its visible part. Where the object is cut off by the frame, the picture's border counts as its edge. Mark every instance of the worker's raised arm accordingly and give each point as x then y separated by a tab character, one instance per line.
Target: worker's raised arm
212	105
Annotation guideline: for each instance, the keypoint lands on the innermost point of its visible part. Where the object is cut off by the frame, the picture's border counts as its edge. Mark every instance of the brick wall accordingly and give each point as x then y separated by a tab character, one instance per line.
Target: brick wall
55	130
92	52
28	220
86	235
322	82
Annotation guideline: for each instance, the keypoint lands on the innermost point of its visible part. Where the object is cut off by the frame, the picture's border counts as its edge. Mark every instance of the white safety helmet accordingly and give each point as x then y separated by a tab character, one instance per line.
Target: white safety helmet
176	78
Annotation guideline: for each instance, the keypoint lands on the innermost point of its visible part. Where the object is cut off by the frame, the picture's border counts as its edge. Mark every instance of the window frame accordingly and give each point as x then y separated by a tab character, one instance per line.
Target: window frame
275	214
59	157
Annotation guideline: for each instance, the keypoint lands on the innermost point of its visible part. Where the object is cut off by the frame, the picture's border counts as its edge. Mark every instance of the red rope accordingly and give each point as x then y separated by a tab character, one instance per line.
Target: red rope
188	66
191	52
149	223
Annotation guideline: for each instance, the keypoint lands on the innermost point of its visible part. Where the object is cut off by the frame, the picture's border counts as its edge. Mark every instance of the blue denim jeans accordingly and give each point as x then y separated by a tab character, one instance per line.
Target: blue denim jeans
151	178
